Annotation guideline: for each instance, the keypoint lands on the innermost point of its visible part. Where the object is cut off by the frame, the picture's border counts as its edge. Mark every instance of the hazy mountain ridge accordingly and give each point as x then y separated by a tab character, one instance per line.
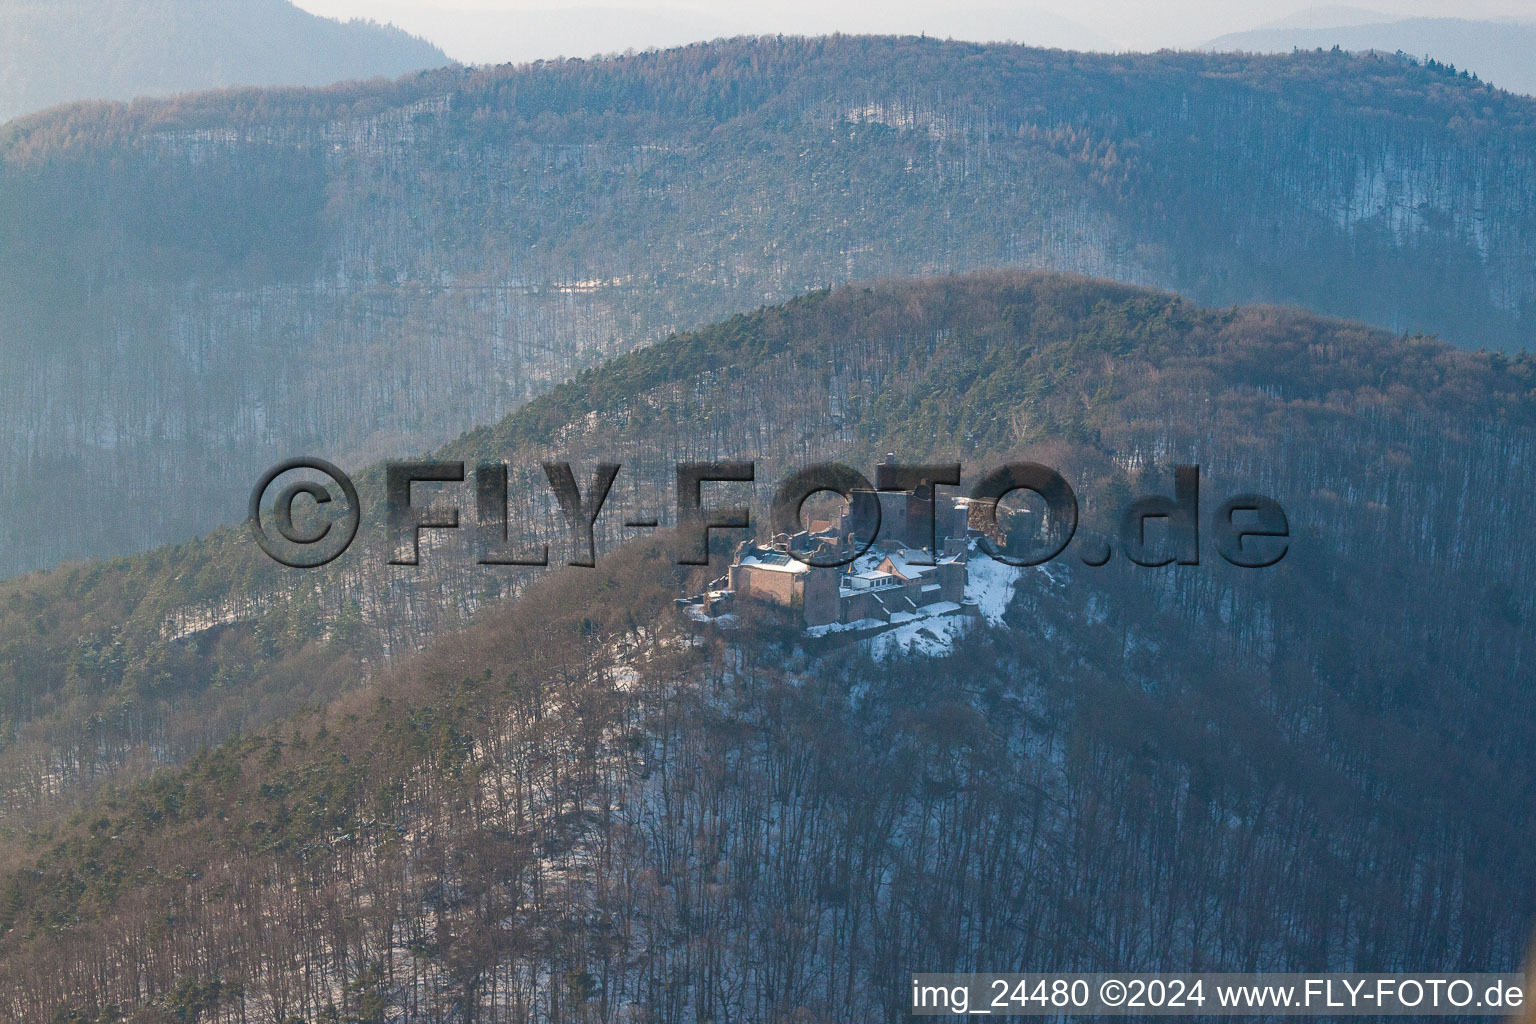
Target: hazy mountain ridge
1496	51
571	808
410	259
61	51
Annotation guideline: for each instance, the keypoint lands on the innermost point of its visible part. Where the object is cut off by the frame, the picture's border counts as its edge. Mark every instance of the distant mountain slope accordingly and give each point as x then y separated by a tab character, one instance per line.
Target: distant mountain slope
57	51
1327	16
192	290
1305	768
528	33
502	35
1497	51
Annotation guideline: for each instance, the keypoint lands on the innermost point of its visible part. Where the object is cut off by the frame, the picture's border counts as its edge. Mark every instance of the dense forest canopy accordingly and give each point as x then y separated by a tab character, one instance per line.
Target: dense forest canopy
195	288
573	805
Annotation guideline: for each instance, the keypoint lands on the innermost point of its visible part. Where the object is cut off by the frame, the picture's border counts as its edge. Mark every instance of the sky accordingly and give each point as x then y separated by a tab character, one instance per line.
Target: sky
494	31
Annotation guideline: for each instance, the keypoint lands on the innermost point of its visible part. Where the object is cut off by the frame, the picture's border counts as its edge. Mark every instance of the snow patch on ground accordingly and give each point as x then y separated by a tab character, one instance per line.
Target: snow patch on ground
844	627
989	586
932	630
931	636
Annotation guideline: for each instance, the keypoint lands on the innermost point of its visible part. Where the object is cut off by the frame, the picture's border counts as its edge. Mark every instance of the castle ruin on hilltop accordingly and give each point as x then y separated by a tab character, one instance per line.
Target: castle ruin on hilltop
897	578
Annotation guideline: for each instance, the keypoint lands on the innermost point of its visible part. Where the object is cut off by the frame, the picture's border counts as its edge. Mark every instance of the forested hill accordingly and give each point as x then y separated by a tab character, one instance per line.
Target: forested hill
190	290
1495	51
114	666
580	808
59	51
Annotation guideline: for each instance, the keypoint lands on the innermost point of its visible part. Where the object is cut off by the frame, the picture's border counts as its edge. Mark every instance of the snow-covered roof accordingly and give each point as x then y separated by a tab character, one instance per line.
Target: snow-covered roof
773	561
902	562
868	580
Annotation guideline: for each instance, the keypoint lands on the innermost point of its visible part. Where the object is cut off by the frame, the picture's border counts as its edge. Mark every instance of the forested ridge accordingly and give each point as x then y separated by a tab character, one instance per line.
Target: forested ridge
192	289
575	807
